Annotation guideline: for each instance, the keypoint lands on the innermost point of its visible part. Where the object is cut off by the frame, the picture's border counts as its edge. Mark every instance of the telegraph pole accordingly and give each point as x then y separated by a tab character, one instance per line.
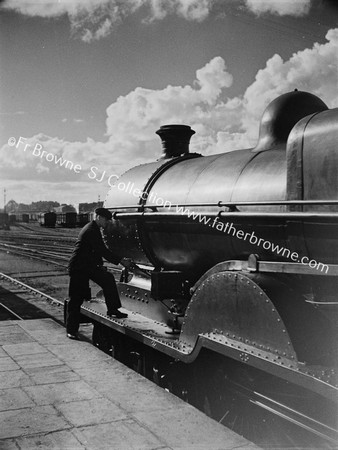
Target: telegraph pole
4	200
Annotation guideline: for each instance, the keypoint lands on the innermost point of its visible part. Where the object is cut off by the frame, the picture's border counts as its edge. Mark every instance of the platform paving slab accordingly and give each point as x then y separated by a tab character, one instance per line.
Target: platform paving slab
197	434
14	335
28	421
30	361
7	364
63	440
97	411
17	378
48	336
50	394
122	435
51	374
67	395
73	357
27	348
14	398
2	353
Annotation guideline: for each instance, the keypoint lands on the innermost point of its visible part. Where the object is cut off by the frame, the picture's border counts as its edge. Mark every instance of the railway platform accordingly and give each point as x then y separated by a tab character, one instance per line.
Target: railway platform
57	393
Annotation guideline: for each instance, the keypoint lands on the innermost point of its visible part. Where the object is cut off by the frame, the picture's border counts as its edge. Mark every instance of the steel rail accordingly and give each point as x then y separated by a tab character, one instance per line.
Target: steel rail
35	235
34	251
10	311
5	247
30	288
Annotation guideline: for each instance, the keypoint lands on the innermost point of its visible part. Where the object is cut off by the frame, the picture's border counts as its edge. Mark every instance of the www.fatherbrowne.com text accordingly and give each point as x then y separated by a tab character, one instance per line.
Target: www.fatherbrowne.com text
224	227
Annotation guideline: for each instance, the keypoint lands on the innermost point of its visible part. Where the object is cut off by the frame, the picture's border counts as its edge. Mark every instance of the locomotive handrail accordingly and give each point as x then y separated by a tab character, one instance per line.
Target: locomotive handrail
281	202
221	204
286	215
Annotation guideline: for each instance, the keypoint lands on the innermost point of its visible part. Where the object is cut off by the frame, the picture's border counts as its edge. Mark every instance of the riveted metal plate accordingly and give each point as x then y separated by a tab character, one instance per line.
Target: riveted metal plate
232	304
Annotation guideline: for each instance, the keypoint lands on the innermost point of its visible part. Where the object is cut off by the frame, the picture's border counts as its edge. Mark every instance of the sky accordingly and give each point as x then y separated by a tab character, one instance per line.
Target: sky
85	84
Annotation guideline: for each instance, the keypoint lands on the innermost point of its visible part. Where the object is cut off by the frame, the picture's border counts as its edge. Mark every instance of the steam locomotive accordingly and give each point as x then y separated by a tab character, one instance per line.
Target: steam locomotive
233	302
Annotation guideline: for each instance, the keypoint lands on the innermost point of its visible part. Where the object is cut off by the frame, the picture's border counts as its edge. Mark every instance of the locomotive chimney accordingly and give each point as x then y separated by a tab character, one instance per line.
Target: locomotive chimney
175	140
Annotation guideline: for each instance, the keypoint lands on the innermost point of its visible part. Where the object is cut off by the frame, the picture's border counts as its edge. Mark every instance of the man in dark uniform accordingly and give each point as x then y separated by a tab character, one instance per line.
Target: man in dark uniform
86	264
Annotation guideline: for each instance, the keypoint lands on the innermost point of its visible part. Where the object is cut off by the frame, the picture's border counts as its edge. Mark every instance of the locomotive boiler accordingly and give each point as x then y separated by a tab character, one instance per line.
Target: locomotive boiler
237	272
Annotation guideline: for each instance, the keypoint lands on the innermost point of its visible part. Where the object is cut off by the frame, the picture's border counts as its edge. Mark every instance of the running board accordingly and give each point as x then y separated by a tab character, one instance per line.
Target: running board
158	336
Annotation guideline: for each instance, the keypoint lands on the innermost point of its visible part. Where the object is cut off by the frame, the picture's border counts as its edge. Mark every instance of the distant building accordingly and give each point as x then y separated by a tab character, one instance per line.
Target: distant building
18	208
64	208
89	207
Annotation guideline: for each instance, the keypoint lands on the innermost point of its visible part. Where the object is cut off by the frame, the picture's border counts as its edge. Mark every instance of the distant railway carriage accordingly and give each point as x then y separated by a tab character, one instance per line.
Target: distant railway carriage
47	219
4	221
33	217
82	219
24	218
66	220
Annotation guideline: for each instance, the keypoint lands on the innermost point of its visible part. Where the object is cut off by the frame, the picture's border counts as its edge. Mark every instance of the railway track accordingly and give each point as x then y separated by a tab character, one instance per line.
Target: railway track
35	254
30	289
21	301
41	231
32	272
54	249
40	246
8	314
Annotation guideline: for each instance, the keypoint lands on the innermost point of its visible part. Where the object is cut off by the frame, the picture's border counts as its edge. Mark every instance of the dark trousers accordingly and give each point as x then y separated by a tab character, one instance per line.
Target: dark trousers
78	292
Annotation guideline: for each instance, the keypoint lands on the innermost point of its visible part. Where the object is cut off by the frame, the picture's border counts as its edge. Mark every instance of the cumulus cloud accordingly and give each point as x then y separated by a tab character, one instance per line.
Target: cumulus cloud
188	9
143	110
279	7
95	19
140	113
92	20
193	9
25	159
221	123
313	70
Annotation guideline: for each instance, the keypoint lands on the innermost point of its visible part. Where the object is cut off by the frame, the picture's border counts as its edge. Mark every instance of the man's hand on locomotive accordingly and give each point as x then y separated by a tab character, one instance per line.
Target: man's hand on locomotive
128	263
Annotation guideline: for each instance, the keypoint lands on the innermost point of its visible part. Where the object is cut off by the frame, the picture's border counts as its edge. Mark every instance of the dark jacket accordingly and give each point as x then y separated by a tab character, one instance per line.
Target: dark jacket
89	250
